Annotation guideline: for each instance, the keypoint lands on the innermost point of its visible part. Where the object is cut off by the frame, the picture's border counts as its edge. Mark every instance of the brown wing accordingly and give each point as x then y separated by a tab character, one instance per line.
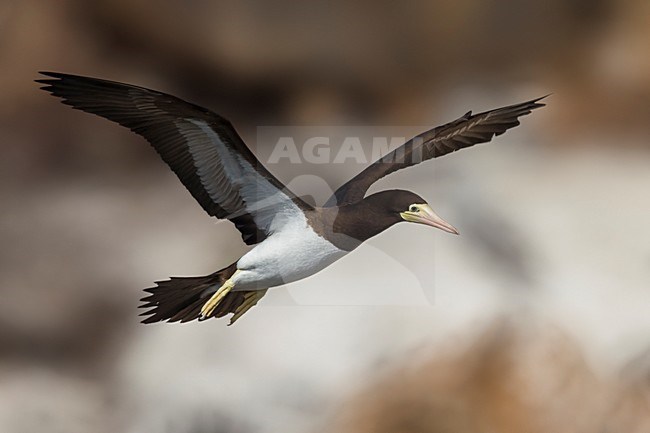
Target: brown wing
201	147
463	132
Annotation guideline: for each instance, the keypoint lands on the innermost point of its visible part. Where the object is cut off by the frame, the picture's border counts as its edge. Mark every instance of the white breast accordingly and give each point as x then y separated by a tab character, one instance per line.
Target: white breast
290	254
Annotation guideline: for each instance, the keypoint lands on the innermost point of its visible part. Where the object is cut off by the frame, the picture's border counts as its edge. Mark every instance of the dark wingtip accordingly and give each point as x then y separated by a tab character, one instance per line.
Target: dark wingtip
149	320
49	84
49	73
535	102
57	75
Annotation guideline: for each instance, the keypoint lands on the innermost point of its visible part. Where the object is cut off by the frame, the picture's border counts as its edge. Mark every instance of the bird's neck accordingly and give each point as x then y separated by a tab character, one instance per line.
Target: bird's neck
349	226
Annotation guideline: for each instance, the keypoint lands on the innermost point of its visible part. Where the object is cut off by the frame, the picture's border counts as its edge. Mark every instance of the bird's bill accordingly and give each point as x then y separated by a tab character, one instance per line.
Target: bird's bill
426	215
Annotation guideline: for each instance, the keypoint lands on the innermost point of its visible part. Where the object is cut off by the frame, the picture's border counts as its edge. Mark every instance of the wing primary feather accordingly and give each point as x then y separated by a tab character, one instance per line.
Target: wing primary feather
466	131
201	147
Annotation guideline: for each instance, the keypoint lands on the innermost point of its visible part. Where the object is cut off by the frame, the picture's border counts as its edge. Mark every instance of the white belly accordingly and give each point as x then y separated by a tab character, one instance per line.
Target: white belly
291	254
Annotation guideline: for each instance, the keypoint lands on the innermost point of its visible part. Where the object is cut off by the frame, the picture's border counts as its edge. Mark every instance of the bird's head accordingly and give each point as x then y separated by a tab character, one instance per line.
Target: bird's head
410	207
355	223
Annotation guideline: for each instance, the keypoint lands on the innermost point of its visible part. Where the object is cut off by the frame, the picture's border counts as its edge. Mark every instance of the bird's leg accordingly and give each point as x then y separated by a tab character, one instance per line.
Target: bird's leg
209	307
250	300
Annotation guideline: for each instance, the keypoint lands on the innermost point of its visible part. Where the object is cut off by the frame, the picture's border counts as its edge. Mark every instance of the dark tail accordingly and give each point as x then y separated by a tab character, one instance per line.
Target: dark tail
180	299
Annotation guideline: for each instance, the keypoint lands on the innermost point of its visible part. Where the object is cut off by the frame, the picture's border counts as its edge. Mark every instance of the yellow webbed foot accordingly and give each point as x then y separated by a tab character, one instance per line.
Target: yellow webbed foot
212	303
250	300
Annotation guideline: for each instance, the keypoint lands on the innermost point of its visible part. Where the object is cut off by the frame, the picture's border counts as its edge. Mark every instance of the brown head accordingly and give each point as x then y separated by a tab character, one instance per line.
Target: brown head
355	223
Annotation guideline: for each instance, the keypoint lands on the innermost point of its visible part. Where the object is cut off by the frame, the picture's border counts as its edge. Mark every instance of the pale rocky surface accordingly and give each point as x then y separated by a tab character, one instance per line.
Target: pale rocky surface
547	286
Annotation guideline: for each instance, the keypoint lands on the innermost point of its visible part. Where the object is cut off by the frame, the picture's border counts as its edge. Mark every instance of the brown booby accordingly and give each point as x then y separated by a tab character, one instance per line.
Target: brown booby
292	238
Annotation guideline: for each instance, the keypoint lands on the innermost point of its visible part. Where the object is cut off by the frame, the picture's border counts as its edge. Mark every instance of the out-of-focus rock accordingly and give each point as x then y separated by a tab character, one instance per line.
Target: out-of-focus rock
369	62
90	215
511	378
38	399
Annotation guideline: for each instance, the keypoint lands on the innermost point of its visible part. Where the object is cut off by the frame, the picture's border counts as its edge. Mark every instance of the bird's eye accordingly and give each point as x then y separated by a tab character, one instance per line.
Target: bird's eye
413	208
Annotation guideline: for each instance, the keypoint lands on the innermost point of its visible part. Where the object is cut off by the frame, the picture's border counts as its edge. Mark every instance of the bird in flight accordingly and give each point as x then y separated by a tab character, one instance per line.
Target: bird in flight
292	238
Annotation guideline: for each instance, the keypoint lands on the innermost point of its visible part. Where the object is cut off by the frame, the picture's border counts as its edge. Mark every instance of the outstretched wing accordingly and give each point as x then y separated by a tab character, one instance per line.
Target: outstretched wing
201	147
463	132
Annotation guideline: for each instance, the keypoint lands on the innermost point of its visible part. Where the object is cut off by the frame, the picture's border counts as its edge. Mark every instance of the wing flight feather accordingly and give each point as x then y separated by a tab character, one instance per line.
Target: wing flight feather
201	147
466	131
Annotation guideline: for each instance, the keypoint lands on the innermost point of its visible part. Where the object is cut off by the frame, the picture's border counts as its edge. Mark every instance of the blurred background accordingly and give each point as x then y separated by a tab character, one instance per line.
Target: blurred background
539	316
